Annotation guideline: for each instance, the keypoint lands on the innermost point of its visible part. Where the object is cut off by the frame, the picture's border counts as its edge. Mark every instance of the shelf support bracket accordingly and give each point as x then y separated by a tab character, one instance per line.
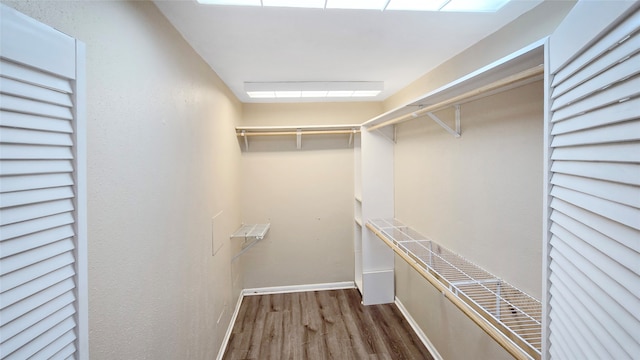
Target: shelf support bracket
456	132
246	140
299	139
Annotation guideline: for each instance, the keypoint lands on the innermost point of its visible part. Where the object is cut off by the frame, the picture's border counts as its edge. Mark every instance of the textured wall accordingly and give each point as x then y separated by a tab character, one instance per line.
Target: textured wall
481	194
163	160
307	195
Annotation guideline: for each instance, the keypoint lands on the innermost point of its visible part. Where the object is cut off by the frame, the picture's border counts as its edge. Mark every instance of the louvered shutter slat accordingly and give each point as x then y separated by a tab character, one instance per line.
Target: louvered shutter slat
64	353
612	114
589	301
24	136
56	346
618	152
621	69
35	122
598	265
35	240
626	131
627	49
623	214
19	309
623	173
21	182
28	91
611	95
24	259
37	344
622	254
13	328
27	106
624	235
28	212
35	196
12	151
24	275
21	167
620	193
38	329
30	75
35	225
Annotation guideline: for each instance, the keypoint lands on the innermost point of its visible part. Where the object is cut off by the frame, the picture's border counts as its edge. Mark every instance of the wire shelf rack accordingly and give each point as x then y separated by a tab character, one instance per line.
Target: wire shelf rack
516	315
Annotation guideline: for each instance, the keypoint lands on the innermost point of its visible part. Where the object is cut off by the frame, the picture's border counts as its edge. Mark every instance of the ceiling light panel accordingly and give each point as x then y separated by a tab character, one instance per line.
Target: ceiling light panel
474	5
416	5
314	4
357	4
313	89
231	2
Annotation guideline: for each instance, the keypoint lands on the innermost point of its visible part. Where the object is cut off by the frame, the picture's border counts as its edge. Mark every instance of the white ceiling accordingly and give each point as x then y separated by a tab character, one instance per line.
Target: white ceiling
254	44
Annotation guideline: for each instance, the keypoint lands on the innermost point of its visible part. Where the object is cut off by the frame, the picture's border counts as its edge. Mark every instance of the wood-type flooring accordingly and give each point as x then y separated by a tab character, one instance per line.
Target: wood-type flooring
329	324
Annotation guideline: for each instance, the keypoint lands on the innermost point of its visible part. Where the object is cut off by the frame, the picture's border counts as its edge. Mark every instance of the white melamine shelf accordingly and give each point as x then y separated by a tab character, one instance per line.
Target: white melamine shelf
341	129
257	231
507	314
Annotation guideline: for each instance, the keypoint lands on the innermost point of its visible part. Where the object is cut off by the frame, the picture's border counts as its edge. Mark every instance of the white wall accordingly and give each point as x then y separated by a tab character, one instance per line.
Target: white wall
306	195
162	161
480	195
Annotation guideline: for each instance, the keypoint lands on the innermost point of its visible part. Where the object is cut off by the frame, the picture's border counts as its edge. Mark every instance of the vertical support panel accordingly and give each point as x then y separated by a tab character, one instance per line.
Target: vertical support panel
377	202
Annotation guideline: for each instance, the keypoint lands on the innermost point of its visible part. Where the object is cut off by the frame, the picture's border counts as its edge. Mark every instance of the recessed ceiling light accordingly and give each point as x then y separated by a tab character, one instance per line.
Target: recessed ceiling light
316	4
365	93
288	94
356	4
312	89
314	94
474	5
231	2
261	94
415	5
340	93
409	5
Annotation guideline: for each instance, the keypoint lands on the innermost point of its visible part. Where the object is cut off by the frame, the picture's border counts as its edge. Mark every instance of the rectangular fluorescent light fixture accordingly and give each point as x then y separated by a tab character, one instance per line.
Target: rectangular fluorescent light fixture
474	5
313	89
314	94
261	94
356	4
288	94
406	5
231	2
415	5
312	4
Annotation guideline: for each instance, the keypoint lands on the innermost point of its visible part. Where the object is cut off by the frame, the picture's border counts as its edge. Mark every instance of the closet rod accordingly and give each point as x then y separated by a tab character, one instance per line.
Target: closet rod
302	132
527	74
482	322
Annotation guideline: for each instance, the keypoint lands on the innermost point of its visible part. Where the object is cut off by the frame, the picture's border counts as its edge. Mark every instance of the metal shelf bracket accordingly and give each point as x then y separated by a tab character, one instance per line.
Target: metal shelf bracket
456	132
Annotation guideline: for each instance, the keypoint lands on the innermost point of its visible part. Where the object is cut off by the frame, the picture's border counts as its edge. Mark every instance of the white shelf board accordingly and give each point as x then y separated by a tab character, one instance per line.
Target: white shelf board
526	58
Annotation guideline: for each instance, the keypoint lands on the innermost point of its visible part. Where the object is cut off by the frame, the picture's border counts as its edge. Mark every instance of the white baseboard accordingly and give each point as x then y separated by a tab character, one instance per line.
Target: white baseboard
299	288
414	325
227	335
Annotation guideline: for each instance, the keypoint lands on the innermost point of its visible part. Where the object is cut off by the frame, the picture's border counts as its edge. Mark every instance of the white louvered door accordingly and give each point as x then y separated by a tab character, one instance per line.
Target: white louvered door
593	246
43	302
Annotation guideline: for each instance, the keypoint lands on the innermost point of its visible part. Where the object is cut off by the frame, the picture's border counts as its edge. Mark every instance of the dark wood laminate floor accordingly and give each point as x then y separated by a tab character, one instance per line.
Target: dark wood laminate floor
321	325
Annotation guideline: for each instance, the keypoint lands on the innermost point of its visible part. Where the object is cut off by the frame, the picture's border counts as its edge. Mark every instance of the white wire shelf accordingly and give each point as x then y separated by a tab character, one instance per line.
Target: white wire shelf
515	315
257	231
